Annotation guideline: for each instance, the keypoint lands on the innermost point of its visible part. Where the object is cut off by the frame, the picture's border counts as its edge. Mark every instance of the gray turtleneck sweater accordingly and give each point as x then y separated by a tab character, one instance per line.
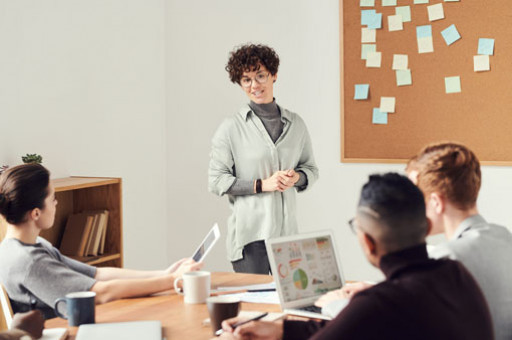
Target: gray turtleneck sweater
270	116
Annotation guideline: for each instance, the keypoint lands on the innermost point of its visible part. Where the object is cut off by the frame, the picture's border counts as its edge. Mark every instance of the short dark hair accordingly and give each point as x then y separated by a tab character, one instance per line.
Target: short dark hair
249	57
22	188
400	207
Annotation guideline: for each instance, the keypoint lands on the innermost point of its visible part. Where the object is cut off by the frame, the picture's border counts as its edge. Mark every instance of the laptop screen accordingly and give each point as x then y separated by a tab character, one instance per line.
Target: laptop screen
306	267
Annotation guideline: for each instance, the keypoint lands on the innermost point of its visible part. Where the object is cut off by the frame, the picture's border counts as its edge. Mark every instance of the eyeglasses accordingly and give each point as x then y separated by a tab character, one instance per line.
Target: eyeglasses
352	225
261	78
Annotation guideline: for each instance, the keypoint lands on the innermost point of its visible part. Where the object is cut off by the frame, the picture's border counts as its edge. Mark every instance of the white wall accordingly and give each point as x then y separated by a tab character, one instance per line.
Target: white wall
81	83
305	33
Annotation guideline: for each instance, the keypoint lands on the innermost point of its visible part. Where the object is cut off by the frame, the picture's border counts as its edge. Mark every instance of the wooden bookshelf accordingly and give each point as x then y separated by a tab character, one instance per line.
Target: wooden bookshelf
77	194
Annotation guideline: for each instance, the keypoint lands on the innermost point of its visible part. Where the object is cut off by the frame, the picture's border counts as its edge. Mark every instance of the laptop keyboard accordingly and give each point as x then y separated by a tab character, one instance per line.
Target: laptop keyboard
312	308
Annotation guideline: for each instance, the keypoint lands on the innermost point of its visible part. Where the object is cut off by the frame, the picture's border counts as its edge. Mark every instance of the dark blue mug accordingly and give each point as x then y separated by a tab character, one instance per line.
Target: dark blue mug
80	308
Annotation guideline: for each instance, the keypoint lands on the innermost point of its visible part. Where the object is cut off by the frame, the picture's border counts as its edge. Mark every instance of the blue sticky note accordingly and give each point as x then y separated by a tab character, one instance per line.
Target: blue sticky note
379	117
450	35
452	84
367	15
424	31
486	46
362	91
376	21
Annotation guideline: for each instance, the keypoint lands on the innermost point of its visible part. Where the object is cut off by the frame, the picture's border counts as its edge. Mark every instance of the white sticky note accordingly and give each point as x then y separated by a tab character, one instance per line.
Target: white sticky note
451	0
418	2
395	23
435	12
388	2
400	61
425	45
373	59
367	48
387	104
368	35
403	77
405	12
452	84
481	63
367	3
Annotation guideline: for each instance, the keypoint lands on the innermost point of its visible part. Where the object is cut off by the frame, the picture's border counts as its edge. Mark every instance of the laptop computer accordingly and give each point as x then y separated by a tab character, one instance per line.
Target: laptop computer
304	267
132	330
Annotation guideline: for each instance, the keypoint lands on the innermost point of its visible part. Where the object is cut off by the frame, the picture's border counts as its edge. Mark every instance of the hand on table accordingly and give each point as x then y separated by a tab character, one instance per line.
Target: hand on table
254	330
31	322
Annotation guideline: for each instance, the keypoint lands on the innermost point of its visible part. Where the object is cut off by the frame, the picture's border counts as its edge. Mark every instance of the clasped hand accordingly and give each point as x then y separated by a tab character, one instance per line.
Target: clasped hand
281	180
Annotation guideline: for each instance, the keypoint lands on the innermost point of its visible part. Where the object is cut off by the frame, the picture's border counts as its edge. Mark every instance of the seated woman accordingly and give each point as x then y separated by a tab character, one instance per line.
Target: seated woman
34	273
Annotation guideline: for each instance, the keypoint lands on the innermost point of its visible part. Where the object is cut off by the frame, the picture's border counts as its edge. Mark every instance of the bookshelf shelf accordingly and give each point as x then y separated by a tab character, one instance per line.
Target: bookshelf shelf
77	194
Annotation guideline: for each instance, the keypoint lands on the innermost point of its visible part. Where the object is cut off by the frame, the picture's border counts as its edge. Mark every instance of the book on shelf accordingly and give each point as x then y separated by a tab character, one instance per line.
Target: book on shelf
85	234
76	235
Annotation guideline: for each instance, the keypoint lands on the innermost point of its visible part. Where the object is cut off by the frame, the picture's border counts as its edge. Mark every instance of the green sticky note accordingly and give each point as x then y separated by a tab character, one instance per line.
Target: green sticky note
418	2
388	2
367	48
367	3
403	77
452	84
405	12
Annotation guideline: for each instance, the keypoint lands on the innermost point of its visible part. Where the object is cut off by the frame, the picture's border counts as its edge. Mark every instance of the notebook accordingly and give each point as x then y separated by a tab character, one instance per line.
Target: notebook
133	330
304	267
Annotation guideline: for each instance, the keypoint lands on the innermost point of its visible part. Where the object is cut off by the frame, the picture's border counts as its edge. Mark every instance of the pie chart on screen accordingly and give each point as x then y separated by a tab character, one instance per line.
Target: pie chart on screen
300	279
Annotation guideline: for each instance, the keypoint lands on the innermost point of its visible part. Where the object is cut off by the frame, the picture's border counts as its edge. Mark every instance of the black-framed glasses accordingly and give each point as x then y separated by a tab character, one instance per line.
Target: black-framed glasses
261	78
352	225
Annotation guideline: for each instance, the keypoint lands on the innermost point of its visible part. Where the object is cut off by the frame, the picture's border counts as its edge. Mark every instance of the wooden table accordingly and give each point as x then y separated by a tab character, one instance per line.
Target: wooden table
179	320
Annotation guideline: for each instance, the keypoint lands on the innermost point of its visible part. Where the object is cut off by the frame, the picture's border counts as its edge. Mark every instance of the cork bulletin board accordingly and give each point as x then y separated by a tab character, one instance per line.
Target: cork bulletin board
480	116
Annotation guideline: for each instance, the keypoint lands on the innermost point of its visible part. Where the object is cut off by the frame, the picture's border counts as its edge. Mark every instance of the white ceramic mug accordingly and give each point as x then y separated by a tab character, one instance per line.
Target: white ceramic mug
196	286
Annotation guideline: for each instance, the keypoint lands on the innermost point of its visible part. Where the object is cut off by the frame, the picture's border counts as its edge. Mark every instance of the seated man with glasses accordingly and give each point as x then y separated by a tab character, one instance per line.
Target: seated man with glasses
421	298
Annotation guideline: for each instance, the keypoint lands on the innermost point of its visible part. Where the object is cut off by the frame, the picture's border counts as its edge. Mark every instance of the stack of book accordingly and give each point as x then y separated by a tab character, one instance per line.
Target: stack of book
85	234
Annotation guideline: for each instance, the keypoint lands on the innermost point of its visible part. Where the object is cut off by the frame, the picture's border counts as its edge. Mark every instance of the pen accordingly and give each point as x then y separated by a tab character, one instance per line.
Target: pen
235	325
33	303
261	290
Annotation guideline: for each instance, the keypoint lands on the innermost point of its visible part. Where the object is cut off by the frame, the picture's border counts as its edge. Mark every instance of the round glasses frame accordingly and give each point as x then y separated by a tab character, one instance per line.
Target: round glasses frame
261	78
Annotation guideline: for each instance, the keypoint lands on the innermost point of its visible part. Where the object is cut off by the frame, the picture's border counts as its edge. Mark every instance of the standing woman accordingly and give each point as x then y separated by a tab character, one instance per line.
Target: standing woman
260	157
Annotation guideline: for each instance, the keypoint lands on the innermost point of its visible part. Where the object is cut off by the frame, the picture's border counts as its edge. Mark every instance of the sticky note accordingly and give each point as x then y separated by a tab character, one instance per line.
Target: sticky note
435	12
403	77
366	16
375	21
400	62
450	35
395	23
424	31
481	63
486	46
405	12
373	59
368	35
425	45
451	0
388	2
361	91
387	104
452	84
367	3
379	117
418	2
367	48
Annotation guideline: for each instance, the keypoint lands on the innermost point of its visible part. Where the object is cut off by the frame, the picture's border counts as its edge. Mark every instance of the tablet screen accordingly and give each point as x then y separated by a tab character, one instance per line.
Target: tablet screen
207	244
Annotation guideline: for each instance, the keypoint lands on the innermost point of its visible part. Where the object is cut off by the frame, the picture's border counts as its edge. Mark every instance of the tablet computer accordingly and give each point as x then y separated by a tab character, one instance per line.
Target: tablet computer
207	244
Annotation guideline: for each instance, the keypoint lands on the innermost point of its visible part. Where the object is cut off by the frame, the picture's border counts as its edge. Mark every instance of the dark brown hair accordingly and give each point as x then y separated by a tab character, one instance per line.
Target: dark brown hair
22	188
248	58
450	169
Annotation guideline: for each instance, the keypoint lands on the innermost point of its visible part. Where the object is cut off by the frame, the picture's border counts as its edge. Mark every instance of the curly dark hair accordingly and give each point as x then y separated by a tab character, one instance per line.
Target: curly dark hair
249	57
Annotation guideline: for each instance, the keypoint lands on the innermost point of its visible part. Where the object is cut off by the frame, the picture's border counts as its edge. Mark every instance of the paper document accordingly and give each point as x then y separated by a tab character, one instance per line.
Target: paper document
257	297
271	285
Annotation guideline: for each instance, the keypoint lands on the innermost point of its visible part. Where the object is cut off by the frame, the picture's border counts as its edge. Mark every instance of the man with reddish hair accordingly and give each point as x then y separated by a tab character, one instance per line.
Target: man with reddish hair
449	176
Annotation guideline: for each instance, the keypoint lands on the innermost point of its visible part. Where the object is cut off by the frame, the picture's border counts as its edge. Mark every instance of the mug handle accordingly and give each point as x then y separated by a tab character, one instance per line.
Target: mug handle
57	302
176	288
